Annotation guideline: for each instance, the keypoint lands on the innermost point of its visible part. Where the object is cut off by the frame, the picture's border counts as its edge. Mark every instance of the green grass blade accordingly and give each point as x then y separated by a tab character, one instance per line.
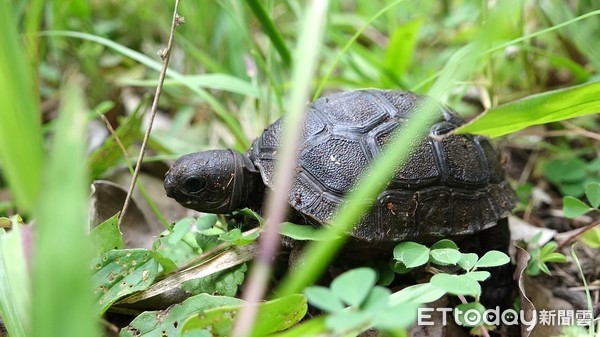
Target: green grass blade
401	48
242	142
14	282
584	37
308	46
588	297
538	109
20	131
270	29
504	45
319	253
223	82
63	303
344	50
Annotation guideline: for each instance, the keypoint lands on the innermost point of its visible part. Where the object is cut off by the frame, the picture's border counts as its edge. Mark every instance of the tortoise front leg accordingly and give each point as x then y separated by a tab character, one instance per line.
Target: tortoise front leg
498	288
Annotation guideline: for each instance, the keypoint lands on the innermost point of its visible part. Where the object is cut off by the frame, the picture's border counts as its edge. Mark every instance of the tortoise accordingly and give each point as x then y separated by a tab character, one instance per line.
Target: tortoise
452	185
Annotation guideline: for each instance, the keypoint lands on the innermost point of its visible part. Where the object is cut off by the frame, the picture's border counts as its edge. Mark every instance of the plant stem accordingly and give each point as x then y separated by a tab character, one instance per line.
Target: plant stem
165	55
304	67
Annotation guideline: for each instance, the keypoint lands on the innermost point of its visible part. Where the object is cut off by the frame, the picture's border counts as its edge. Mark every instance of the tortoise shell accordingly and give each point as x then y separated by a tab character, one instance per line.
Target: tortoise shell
451	185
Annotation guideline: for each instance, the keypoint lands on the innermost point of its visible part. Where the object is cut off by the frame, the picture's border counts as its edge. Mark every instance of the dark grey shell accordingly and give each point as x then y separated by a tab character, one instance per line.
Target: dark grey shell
451	185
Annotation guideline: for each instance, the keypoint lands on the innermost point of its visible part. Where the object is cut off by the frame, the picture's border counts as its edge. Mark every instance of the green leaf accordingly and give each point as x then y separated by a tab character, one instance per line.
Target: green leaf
308	327
554	257
469	314
533	267
594	165
592	192
536	237
223	283
205	222
457	284
400	316
61	278
412	254
445	256
377	300
543	267
121	272
419	293
445	243
479	275
574	207
15	292
548	248
324	299
108	155
214	231
575	189
168	265
353	286
346	320
492	258
275	315
235	237
467	261
270	29
21	141
385	273
400	48
252	214
169	322
537	109
400	268
301	232
179	253
213	81
561	171
179	230
106	236
591	237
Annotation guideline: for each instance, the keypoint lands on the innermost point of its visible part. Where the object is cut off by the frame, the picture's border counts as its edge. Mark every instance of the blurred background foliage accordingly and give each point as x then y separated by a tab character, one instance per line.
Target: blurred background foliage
225	49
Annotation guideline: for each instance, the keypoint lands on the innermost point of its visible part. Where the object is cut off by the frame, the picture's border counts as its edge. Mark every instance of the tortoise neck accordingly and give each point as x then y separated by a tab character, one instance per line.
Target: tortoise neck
248	188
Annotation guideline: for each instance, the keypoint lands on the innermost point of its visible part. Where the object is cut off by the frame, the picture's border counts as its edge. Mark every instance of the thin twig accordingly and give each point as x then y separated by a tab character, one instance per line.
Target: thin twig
151	203
165	54
113	133
581	131
577	235
561	133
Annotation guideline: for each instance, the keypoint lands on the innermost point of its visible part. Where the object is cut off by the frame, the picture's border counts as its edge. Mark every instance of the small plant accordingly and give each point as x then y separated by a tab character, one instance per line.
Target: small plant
409	255
540	256
354	303
572	175
574	207
119	273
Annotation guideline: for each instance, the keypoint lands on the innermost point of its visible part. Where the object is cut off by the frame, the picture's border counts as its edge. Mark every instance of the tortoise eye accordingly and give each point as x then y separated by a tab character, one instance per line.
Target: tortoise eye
194	184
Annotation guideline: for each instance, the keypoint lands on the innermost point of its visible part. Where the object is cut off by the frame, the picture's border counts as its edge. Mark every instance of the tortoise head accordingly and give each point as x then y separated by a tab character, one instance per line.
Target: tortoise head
216	181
